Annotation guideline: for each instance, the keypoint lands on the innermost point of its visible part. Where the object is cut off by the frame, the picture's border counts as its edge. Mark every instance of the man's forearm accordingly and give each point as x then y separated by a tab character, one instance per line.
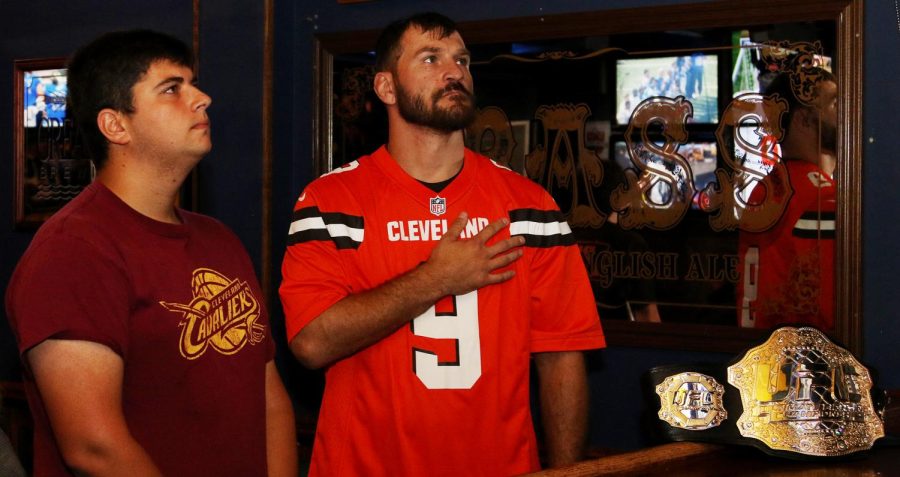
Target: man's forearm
281	433
564	405
81	386
364	318
121	458
455	267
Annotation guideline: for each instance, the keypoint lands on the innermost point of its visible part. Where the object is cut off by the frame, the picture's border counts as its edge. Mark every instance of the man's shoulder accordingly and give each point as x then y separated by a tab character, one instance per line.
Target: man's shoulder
355	170
80	218
350	175
79	232
338	187
810	184
495	174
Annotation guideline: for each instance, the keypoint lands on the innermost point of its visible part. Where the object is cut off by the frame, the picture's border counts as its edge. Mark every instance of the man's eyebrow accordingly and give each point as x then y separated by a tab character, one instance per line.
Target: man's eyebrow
437	49
171	79
427	49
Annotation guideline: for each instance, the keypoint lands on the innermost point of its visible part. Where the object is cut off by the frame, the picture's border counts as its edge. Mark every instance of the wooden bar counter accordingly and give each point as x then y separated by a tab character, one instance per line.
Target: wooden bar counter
708	460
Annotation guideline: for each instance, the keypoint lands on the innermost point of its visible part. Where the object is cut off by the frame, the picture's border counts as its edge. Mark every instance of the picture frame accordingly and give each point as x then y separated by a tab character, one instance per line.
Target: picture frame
596	137
51	163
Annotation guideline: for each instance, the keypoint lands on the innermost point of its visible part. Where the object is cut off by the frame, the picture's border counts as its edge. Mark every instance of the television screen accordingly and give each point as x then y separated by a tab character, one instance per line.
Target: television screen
44	99
693	76
701	157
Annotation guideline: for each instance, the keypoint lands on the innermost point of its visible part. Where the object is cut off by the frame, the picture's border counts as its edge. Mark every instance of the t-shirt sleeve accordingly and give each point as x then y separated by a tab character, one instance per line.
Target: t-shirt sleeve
312	277
69	288
564	315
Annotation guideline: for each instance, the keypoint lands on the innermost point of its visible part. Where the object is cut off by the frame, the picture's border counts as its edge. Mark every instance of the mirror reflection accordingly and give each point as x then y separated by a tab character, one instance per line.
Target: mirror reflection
696	167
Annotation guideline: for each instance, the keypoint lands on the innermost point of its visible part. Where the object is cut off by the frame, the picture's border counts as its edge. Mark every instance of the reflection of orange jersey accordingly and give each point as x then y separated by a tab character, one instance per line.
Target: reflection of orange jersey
449	393
788	270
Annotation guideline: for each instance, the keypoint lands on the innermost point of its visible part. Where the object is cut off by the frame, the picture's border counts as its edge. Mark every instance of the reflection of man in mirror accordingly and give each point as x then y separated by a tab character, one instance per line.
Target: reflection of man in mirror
619	298
788	270
694	81
427	279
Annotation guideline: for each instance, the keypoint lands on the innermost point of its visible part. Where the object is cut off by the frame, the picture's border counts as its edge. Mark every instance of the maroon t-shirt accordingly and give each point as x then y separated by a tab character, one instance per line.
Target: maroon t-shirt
182	307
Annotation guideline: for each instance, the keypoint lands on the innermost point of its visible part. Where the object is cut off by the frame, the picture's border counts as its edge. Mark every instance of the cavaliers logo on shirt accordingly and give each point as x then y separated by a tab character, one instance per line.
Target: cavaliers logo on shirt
222	315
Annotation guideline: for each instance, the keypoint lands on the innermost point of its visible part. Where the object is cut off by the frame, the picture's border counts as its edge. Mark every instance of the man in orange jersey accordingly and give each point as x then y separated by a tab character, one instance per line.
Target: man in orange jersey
426	277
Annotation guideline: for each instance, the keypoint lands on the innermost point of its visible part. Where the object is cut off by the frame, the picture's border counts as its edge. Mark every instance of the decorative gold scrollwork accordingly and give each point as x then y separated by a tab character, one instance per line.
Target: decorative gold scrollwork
491	135
754	121
658	193
566	169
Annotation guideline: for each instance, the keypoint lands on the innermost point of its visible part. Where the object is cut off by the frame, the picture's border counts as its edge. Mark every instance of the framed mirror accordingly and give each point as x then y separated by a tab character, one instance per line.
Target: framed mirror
51	162
657	133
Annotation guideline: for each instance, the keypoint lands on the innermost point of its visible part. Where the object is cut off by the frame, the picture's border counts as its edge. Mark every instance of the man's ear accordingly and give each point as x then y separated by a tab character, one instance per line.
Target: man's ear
384	87
113	125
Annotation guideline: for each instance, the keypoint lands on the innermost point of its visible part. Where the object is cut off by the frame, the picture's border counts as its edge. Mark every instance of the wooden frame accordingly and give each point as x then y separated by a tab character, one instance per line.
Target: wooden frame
51	164
847	16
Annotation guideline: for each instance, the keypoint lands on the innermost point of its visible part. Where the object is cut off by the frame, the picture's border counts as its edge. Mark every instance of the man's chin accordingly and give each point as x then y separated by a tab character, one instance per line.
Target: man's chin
203	150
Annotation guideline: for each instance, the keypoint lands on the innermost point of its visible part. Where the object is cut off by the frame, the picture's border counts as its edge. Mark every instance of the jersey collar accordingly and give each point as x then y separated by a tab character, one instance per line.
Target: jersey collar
420	192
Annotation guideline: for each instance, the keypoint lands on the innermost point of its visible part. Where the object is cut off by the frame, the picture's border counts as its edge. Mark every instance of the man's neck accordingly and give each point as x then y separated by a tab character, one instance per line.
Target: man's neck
425	154
152	193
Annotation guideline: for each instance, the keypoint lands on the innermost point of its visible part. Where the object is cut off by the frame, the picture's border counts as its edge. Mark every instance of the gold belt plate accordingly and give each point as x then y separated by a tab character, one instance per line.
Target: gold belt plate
691	401
802	393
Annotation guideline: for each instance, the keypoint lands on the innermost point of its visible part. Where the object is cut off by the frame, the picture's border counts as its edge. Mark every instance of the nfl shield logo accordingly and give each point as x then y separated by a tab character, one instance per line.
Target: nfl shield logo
438	205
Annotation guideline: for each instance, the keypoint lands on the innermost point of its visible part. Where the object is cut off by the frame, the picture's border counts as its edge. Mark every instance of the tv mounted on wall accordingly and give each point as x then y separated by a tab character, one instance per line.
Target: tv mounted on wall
44	99
695	77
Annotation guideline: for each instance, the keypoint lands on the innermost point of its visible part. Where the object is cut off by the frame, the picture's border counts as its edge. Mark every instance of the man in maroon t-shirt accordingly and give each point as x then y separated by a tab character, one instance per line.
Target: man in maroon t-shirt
145	342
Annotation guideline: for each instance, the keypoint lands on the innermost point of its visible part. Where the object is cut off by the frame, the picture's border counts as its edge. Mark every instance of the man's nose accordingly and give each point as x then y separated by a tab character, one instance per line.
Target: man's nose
202	100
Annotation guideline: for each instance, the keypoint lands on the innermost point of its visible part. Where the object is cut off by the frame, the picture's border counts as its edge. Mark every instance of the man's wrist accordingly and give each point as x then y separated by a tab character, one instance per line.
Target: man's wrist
430	283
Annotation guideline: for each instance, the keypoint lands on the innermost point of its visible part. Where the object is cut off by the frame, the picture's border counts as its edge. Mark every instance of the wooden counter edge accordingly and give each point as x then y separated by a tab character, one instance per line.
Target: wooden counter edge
635	462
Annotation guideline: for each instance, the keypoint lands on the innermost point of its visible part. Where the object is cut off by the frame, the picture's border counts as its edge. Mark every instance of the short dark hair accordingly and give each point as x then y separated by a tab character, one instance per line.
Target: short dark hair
103	73
781	85
387	49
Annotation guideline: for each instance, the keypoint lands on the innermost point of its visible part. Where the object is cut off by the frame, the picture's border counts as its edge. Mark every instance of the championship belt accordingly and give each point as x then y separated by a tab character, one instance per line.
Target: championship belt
796	395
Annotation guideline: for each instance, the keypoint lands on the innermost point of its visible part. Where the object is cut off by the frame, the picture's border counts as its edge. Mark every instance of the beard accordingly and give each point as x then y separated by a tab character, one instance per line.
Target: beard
449	119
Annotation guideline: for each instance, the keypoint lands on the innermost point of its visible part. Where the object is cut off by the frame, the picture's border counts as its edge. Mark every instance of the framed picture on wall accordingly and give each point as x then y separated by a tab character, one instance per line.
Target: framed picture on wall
596	137
521	131
51	162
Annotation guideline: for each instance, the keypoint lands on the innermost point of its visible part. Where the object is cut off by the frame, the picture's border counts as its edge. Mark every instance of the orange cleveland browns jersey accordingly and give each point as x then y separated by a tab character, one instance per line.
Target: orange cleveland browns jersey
449	393
788	270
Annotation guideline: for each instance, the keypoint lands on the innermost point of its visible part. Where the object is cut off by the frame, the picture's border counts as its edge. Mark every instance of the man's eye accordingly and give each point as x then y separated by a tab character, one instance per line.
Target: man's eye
463	61
171	89
430	59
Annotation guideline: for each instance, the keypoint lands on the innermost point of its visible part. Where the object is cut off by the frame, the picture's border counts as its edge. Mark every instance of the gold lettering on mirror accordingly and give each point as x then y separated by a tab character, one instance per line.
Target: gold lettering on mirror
658	193
491	135
753	122
567	169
